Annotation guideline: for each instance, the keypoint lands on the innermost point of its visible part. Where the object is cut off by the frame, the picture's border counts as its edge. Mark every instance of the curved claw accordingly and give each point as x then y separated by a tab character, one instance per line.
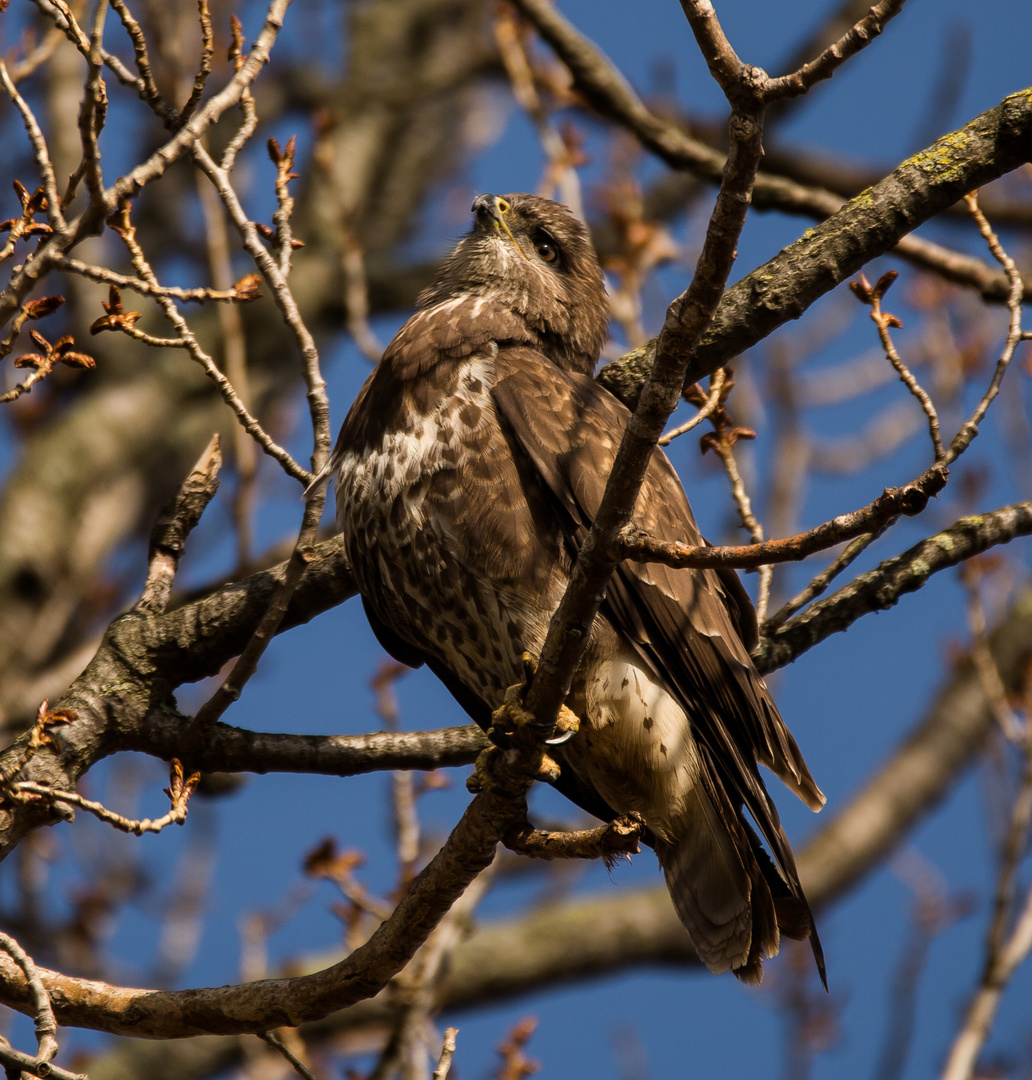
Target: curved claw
561	737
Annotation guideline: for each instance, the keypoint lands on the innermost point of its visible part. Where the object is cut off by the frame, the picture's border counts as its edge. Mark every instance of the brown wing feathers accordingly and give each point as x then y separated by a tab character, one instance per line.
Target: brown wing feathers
679	621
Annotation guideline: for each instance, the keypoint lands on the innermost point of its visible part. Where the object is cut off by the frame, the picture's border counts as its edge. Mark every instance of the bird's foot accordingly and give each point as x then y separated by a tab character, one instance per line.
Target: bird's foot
496	773
509	717
512	716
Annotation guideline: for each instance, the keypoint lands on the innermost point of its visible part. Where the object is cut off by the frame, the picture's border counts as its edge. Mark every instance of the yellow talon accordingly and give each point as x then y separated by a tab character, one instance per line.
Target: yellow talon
567	721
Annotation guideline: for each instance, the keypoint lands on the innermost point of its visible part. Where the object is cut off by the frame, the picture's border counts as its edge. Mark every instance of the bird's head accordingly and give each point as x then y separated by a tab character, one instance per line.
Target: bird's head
532	256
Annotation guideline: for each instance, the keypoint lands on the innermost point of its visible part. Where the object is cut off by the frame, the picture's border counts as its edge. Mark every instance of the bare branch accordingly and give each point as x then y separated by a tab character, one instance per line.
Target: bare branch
203	67
281	1047
168	537
822	580
255	1007
39	147
145	84
242	292
723	445
605	88
872	295
25	1064
179	791
247	663
969	429
447	1052
881	588
619	837
233	749
835	55
93	111
910	499
686	320
124	226
318	404
155	166
712	403
1004	951
43	1013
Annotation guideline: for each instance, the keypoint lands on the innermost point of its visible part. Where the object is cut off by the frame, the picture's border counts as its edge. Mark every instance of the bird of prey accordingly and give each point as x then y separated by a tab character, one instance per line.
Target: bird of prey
468	472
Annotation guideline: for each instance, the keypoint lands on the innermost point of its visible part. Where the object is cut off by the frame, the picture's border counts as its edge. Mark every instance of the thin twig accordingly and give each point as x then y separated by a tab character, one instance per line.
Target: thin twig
417	988
242	292
247	106
881	588
403	788
128	185
145	84
969	429
203	67
46	1025
284	162
822	580
356	296
724	449
28	65
981	655
39	148
93	111
560	173
711	405
18	389
234	352
250	423
835	55
281	1047
910	499
16	1060
872	295
1003	952
318	403
180	789
447	1053
247	663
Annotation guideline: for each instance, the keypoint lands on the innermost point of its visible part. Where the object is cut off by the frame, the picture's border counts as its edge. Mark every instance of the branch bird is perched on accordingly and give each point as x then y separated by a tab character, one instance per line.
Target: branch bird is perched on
468	473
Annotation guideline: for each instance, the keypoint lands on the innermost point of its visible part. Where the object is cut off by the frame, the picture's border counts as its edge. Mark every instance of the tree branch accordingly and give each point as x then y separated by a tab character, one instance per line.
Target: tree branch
910	499
994	143
881	588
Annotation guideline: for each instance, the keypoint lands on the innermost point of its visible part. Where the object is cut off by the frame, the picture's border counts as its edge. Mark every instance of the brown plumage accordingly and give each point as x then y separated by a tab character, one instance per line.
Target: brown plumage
468	472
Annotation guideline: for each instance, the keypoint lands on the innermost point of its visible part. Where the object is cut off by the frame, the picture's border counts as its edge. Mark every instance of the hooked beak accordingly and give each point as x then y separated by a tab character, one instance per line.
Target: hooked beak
490	211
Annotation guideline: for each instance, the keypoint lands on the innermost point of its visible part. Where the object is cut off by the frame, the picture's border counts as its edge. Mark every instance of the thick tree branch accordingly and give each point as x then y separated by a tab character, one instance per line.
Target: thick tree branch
872	224
271	1003
232	749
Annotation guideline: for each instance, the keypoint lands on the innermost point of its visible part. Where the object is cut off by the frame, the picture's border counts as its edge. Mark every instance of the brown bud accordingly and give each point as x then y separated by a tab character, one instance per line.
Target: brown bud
43	306
247	288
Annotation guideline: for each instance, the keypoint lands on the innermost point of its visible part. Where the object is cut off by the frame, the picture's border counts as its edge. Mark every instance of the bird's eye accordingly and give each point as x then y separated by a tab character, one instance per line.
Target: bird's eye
546	247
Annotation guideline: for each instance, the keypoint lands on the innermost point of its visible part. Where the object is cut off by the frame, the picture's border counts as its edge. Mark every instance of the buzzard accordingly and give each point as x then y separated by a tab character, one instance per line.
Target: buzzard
468	472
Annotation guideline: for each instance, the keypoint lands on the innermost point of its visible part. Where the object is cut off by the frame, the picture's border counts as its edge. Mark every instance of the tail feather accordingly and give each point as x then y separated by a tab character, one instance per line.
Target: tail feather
728	893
